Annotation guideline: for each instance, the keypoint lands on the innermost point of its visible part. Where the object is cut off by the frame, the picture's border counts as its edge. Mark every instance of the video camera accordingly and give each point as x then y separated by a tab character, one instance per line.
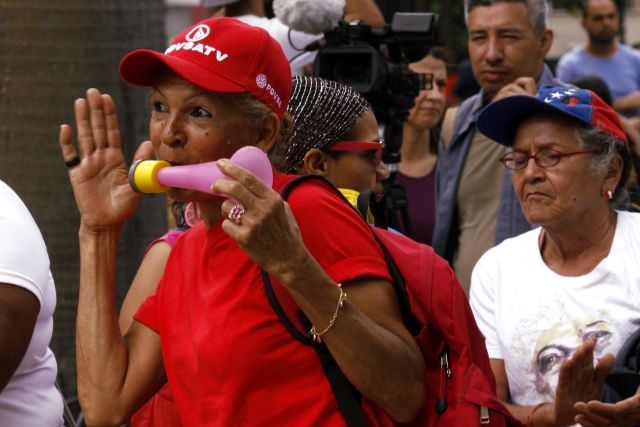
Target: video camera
375	62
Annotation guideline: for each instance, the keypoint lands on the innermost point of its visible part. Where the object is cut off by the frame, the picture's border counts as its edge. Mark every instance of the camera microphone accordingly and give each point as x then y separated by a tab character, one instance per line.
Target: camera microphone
309	16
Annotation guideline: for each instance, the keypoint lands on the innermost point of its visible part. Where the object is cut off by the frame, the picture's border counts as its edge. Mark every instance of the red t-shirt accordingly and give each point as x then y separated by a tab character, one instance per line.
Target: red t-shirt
160	410
228	358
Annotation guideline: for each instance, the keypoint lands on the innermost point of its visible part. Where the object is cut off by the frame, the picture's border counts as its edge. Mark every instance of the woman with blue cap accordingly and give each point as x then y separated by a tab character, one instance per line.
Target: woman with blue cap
555	302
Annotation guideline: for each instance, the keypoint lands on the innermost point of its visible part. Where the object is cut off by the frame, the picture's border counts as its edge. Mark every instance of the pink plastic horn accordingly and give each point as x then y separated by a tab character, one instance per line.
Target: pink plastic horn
158	176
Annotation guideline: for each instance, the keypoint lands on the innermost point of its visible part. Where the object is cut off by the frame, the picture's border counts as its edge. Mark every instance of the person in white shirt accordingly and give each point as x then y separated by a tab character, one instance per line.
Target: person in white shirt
28	395
554	303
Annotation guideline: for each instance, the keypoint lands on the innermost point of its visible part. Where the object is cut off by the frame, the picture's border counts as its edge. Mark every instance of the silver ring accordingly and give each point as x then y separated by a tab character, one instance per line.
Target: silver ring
235	214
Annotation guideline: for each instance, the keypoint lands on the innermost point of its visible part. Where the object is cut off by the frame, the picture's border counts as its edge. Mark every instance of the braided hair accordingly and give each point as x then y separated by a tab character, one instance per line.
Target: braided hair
323	112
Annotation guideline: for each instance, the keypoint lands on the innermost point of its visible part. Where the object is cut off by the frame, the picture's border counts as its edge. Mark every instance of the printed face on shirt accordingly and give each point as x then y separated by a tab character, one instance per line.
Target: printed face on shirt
191	125
503	46
559	343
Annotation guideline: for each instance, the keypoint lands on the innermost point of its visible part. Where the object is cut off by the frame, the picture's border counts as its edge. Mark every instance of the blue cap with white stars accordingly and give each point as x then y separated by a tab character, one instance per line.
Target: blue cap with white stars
500	119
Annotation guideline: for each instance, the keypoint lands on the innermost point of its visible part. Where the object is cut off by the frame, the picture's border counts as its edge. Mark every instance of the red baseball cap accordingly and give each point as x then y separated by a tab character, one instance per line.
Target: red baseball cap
220	55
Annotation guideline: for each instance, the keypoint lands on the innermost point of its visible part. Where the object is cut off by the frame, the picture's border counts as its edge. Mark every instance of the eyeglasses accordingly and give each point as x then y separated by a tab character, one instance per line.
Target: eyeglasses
544	158
375	146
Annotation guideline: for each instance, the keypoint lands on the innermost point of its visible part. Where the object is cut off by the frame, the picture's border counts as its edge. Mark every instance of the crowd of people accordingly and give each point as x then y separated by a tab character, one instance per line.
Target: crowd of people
527	188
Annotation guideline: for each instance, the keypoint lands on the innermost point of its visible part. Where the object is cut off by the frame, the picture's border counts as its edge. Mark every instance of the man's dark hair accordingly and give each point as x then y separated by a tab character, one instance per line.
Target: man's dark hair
584	7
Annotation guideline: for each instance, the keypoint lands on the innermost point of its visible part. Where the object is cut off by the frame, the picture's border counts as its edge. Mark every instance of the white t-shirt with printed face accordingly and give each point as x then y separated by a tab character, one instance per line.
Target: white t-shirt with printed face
533	318
30	398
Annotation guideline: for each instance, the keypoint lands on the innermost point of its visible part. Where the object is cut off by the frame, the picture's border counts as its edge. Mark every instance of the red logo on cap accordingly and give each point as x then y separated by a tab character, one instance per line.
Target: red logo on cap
198	32
572	101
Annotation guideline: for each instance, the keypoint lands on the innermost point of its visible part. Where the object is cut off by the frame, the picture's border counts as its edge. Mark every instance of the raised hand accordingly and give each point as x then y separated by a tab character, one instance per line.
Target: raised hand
100	182
521	86
579	381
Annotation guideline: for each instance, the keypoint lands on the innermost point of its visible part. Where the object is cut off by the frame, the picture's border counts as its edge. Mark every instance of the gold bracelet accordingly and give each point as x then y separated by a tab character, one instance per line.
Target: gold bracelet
341	299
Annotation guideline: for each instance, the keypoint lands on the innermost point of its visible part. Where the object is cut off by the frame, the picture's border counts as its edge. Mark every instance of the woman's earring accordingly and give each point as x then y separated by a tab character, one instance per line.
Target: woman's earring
608	195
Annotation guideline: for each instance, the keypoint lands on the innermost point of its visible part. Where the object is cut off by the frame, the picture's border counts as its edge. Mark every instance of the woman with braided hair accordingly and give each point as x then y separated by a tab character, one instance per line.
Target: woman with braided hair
335	135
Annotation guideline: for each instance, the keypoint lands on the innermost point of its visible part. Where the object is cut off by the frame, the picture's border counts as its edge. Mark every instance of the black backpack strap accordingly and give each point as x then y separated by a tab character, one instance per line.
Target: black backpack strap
347	397
282	316
411	323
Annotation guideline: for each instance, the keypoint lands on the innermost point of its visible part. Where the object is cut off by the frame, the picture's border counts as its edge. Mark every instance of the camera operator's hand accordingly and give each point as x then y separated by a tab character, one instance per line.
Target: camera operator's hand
521	86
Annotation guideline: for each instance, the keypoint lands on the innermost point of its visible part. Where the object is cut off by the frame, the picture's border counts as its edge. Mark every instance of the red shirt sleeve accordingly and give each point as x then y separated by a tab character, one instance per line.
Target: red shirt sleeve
147	313
335	235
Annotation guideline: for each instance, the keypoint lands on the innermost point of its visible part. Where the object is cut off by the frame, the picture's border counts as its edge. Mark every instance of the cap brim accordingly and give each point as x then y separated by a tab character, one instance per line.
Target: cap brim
500	119
143	66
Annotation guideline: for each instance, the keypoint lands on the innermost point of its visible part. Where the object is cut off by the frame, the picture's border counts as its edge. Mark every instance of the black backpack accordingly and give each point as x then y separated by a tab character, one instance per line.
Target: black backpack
624	378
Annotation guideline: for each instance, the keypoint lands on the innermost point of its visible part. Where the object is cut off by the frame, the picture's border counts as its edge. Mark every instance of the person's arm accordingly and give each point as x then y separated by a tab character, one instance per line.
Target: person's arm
363	10
144	283
368	340
628	102
19	310
115	375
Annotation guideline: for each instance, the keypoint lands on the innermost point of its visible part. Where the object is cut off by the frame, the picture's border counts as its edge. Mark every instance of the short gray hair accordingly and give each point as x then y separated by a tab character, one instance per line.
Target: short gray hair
254	112
606	147
537	10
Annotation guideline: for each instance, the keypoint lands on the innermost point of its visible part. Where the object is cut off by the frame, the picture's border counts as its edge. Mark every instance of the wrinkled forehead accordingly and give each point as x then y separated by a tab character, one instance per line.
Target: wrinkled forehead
546	129
499	16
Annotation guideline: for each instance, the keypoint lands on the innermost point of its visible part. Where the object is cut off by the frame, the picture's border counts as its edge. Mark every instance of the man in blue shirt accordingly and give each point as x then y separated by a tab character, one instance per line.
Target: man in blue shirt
603	56
475	203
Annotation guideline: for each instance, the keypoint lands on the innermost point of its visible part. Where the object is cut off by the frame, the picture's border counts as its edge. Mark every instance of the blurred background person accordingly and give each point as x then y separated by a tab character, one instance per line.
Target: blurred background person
419	149
538	297
605	57
28	368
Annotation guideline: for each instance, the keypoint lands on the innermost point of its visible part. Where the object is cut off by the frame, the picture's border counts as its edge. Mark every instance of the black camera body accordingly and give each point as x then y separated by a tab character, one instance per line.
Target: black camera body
375	63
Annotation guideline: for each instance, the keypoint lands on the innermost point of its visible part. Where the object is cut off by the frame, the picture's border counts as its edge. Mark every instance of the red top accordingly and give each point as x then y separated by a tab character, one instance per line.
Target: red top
228	358
160	410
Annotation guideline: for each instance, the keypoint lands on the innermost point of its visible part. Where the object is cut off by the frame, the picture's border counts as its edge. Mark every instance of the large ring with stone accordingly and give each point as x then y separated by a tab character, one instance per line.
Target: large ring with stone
74	161
235	214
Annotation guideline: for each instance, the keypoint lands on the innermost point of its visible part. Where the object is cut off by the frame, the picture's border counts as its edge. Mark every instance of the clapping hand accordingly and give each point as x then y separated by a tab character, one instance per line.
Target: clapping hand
625	413
579	381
